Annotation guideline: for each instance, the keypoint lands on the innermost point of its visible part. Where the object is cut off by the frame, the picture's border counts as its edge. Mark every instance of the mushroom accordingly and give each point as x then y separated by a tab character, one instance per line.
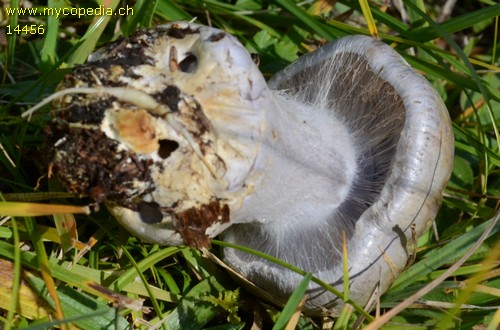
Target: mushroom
177	132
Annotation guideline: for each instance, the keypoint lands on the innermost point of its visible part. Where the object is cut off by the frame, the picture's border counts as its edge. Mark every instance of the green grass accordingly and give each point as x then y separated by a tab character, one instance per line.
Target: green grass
86	270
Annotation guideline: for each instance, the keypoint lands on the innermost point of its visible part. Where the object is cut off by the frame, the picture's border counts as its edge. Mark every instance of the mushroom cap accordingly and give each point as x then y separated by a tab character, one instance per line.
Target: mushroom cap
405	154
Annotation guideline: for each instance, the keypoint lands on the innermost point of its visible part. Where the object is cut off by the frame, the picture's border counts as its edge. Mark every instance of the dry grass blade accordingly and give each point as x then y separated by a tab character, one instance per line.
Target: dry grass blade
370	22
495	322
292	323
29	303
18	209
377	323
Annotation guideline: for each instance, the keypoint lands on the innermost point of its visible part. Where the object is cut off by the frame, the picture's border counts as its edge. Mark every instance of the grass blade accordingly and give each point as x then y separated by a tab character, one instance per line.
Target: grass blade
492	227
293	303
43	265
16	280
11	43
90	38
129	276
48	52
370	22
19	209
84	311
144	11
463	57
440	256
171	12
79	280
455	24
194	312
305	18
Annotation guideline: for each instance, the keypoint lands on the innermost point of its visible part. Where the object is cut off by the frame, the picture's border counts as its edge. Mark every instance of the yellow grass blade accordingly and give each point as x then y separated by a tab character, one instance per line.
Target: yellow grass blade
66	230
29	304
370	22
18	209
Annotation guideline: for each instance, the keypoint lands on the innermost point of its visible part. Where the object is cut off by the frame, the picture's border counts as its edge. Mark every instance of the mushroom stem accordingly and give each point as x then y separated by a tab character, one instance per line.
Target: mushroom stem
305	168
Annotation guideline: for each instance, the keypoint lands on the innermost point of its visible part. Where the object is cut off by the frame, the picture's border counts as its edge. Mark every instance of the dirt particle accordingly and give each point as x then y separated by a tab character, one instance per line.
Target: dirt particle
171	96
177	32
150	212
216	37
86	113
90	163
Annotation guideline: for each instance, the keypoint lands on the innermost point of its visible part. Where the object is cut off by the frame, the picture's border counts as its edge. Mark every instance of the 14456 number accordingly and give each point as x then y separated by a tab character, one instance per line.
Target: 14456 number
26	29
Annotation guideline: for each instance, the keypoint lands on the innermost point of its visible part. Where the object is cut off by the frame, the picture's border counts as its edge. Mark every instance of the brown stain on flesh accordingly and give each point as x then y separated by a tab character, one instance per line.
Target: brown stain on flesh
136	128
193	223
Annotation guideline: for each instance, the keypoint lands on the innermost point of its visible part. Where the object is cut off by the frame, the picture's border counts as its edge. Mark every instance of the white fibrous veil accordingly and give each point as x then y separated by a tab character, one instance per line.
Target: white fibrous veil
373	112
